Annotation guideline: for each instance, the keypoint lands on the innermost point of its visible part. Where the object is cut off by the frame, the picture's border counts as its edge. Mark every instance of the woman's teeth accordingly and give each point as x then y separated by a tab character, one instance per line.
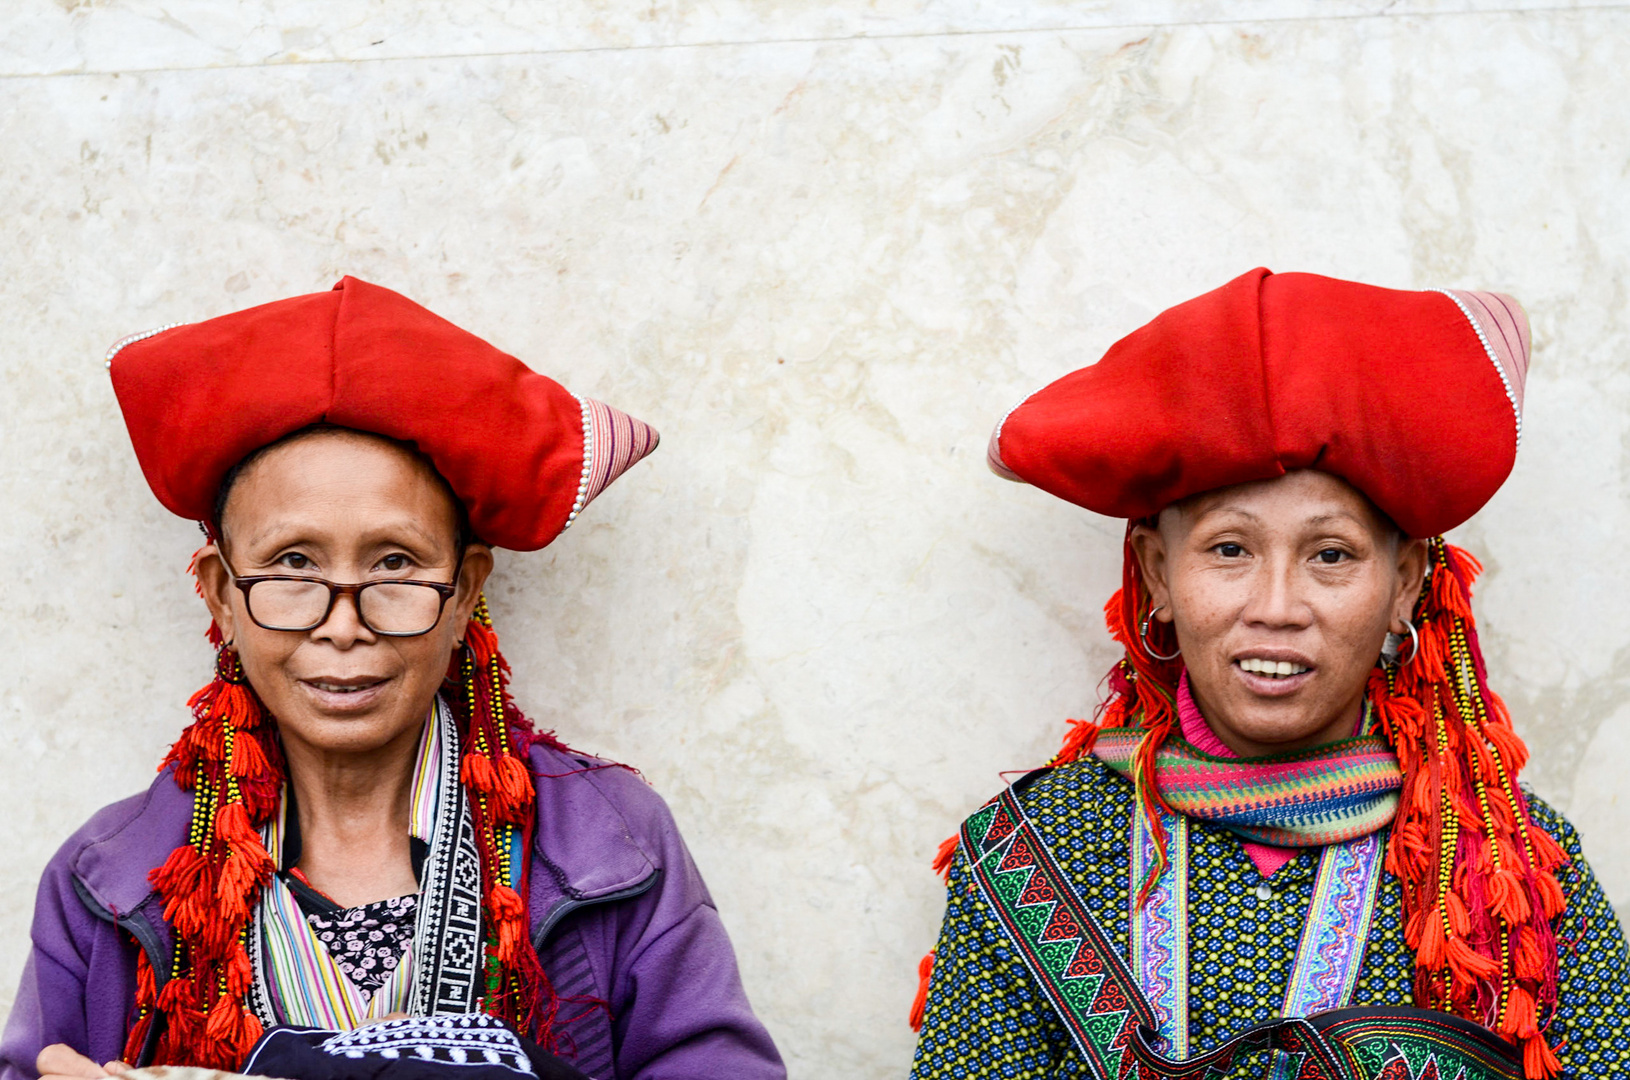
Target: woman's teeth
1274	669
334	688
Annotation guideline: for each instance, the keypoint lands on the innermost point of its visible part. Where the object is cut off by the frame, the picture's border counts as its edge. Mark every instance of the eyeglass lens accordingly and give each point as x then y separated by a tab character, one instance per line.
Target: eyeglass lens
387	607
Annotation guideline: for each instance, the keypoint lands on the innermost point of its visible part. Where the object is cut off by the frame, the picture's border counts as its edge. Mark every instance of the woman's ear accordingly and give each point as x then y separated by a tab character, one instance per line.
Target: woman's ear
1411	576
215	586
472	578
1150	548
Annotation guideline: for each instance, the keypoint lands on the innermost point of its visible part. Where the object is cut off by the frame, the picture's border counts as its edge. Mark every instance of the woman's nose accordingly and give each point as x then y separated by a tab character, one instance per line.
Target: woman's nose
1276	598
344	625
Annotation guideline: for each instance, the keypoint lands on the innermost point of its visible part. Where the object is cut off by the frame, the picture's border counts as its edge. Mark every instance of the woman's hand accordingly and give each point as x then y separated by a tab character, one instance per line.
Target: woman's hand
59	1061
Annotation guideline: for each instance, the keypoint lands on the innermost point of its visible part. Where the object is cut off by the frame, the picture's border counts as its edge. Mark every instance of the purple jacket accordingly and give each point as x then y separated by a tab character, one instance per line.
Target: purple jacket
619	913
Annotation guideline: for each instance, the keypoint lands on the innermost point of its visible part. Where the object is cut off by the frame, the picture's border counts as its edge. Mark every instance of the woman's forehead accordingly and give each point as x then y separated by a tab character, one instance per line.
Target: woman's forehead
339	480
1302	498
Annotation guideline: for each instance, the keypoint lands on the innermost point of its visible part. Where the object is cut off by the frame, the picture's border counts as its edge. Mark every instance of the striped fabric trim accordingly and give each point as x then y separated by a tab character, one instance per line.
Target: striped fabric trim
297	981
1502	327
1159	927
612	442
1321	796
426	788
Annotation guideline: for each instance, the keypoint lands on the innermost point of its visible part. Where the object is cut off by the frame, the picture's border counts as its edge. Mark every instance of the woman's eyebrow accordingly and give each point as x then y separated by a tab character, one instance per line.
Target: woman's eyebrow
1334	515
1236	511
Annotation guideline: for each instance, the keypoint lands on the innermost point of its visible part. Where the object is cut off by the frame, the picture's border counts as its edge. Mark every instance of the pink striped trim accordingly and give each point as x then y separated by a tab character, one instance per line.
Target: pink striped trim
612	442
1502	327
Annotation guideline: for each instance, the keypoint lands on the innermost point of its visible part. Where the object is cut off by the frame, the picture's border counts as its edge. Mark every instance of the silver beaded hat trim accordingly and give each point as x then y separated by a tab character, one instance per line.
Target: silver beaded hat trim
107	361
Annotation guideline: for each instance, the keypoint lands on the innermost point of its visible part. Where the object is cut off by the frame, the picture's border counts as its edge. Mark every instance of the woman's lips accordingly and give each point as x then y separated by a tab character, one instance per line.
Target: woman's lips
1273	685
345	695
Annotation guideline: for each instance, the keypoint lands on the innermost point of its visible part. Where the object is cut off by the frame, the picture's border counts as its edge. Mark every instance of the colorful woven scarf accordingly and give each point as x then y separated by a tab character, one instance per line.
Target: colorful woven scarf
1310	798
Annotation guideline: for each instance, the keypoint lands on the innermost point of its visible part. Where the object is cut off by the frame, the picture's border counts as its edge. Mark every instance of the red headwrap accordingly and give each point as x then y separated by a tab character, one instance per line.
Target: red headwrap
1414	398
521	452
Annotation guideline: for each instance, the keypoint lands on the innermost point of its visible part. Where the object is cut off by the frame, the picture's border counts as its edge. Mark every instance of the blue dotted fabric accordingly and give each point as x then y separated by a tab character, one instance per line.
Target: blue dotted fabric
986	1018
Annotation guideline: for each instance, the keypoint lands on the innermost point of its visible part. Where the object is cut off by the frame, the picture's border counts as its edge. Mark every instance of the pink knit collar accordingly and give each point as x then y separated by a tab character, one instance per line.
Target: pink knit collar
1198	733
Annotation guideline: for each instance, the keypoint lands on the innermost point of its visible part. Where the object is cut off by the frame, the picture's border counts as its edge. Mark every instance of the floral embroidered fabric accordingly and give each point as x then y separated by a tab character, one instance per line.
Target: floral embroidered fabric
367	942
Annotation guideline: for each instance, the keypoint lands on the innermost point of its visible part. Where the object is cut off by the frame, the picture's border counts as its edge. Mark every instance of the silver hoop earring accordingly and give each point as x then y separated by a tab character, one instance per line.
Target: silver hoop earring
1414	643
1143	636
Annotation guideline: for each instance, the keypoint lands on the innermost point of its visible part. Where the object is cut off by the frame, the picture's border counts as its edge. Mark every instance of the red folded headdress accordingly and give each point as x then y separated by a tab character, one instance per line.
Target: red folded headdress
521	453
1414	398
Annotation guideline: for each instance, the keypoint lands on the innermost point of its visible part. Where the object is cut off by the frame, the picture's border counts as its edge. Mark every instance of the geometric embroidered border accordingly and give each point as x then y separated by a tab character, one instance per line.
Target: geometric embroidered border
1073	960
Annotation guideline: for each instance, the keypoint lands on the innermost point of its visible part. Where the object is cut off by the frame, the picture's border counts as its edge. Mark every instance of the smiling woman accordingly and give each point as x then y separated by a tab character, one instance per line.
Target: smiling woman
1294	829
1280	592
359	828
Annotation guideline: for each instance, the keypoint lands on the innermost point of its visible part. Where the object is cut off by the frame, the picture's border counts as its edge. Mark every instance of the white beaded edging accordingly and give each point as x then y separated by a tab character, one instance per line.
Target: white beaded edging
996	436
1494	358
107	361
588	465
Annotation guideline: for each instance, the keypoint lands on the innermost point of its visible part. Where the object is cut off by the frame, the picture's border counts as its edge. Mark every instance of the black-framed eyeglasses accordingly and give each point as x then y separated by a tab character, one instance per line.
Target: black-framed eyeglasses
390	607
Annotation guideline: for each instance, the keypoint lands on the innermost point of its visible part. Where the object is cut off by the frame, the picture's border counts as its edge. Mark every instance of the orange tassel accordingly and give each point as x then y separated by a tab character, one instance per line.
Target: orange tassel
1512	750
477	773
1519	1020
1079	739
239	973
1546	850
246	870
1538	1060
945	856
507	910
1430	946
232	826
1550	894
248	759
1508	896
1468	964
182	873
1459	919
919	1004
515	780
225	1020
1528	961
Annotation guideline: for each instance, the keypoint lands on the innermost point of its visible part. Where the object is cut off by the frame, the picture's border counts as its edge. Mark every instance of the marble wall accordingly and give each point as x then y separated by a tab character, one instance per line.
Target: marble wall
822	246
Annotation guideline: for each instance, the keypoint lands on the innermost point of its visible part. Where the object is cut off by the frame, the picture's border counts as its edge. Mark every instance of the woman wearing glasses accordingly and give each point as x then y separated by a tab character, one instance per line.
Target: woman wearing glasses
359	825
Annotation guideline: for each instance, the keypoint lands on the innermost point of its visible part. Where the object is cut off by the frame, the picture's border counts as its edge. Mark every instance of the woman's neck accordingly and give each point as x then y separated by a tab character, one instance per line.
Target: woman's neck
354	812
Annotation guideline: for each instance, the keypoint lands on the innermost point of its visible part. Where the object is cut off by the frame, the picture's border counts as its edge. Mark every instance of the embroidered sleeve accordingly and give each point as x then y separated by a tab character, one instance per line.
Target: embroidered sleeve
1592	1023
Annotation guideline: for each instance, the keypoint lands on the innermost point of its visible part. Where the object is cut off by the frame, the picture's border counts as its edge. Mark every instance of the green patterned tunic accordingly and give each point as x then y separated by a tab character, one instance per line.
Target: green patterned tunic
987	1019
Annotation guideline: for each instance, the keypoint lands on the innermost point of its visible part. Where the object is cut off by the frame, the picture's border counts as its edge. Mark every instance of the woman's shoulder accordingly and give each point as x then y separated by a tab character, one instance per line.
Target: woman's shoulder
112	853
592	810
1082	789
1082	804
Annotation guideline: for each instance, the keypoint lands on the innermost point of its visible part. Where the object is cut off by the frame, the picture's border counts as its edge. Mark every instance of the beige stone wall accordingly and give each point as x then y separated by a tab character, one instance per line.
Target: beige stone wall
822	247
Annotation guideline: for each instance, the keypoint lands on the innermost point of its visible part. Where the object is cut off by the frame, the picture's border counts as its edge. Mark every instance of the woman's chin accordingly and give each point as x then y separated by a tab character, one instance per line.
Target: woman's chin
1278	731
